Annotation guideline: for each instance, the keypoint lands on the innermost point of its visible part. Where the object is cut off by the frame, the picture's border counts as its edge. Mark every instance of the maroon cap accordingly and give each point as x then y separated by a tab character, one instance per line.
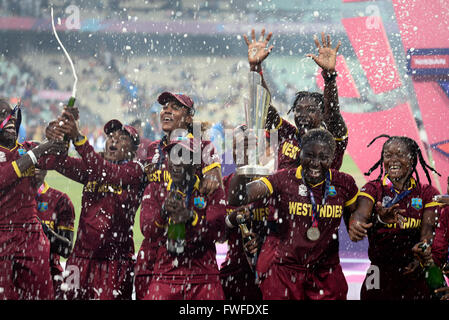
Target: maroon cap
181	98
114	125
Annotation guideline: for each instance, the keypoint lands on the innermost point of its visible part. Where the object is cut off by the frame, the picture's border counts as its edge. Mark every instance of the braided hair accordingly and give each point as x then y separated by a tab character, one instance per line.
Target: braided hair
318	97
413	149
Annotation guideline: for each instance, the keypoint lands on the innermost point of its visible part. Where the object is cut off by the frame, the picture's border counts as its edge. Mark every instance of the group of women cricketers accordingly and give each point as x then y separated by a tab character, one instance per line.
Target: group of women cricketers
281	229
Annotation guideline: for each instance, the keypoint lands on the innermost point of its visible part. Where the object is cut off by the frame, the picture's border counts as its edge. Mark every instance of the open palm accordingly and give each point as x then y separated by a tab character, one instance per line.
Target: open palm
327	56
258	50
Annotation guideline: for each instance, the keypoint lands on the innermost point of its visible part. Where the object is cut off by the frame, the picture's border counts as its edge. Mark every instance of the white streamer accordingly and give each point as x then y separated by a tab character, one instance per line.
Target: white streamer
65	52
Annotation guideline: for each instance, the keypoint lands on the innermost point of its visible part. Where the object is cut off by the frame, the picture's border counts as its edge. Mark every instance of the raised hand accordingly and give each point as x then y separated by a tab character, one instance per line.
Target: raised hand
54	132
68	124
327	56
258	50
65	125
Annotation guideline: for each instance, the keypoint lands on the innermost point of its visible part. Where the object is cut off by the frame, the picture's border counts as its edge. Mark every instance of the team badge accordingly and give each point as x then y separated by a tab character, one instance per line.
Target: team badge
42	206
386	200
21	151
302	190
417	203
199	202
2	157
332	191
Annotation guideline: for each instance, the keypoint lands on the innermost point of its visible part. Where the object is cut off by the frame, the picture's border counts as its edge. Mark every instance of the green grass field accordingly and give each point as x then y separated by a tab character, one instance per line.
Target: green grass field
74	190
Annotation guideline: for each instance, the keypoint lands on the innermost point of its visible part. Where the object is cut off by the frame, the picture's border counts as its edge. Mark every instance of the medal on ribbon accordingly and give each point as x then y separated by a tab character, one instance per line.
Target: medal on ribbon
397	196
313	233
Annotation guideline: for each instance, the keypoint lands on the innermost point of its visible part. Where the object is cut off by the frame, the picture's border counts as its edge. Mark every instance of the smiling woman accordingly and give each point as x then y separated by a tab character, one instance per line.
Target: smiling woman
311	201
396	211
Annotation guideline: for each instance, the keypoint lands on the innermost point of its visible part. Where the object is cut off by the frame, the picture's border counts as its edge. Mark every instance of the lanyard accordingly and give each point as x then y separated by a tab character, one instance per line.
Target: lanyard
397	196
313	201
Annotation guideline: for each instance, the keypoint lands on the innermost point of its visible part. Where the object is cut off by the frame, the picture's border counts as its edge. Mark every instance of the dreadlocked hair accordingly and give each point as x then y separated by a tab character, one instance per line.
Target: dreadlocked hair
318	97
414	150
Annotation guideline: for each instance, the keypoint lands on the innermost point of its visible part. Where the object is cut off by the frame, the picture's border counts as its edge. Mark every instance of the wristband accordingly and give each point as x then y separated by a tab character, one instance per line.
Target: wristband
32	156
378	218
80	142
327	76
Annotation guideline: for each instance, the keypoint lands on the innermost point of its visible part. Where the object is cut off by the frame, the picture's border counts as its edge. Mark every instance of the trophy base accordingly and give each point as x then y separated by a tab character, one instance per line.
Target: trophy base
253	171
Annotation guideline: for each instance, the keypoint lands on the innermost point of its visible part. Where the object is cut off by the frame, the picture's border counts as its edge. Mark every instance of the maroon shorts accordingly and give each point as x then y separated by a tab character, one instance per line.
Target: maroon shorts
285	283
24	264
391	284
160	290
240	286
101	279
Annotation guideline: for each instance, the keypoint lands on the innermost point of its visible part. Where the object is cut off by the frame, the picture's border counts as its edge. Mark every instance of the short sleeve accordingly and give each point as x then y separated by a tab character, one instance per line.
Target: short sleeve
65	213
370	191
274	182
352	190
427	195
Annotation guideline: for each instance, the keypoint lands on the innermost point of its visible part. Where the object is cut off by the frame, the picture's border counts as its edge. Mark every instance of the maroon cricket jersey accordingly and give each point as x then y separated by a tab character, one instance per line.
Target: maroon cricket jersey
295	211
382	239
441	241
261	210
17	193
198	263
56	211
157	154
290	147
111	196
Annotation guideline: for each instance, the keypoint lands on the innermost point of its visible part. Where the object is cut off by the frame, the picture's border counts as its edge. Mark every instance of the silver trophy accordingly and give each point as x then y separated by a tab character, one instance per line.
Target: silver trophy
256	114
